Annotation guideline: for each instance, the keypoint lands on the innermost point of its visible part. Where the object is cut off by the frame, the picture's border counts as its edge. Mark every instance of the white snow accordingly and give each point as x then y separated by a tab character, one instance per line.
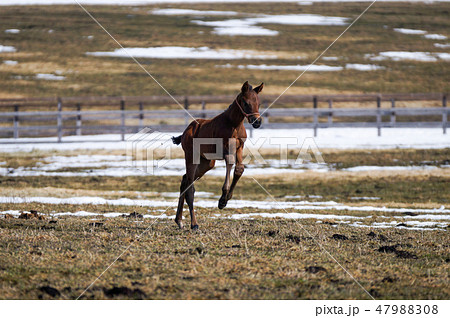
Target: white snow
405	223
122	166
330	58
7	49
409	31
293	215
236	27
435	36
248	30
425	217
12	31
78	213
404	56
49	77
337	138
145	2
9	62
172	11
262	205
364	67
388	168
312	68
11	212
443	56
198	194
248	26
180	52
299	19
442	46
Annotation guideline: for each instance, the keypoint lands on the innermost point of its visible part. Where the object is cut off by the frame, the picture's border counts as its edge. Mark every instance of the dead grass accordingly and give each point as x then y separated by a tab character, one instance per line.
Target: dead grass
64	49
253	259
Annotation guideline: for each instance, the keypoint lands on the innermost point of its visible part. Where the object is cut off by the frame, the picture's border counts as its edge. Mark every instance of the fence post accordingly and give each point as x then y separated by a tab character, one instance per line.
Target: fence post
122	119
266	114
393	115
16	122
186	106
203	108
330	114
315	115
59	120
379	115
444	114
79	120
141	116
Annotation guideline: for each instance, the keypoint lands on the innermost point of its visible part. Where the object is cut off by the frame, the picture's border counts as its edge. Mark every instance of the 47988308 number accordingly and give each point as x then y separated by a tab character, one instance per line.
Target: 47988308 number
407	309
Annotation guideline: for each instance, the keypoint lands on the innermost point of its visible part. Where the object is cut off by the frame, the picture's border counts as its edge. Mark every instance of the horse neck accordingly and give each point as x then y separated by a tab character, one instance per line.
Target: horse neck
235	115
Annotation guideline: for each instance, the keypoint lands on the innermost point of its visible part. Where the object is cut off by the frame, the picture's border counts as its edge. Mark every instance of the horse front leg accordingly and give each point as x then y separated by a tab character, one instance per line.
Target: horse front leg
226	185
238	171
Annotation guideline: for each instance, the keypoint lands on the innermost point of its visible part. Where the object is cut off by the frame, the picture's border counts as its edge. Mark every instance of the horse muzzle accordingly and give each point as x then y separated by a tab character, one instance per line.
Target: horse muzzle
255	121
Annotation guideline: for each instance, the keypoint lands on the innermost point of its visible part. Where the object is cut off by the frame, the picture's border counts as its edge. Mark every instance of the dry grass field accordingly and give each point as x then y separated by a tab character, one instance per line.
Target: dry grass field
56	38
50	256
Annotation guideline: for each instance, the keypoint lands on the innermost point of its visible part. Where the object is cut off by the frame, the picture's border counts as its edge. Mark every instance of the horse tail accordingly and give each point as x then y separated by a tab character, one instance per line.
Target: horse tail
177	140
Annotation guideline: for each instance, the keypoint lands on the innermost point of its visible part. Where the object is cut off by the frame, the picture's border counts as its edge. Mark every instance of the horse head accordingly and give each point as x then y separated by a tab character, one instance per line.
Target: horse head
248	102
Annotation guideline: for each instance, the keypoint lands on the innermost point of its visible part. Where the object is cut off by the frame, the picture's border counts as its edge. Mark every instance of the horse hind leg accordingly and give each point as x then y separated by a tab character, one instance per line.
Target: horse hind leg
189	193
179	216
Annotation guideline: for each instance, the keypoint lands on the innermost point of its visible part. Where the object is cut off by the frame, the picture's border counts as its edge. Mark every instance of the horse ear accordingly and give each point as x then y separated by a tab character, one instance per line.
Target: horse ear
259	88
245	88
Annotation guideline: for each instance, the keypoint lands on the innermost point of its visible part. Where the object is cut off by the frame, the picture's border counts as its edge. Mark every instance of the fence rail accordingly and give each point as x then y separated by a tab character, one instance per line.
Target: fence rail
18	116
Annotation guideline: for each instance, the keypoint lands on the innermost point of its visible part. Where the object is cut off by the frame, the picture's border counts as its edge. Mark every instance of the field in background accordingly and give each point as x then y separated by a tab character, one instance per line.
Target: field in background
232	256
54	40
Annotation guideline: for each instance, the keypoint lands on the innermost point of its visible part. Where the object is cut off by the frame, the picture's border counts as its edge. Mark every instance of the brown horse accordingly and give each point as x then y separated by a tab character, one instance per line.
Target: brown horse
228	128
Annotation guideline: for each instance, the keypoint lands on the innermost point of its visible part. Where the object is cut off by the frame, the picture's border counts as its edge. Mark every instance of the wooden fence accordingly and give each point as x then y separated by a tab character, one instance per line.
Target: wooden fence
85	115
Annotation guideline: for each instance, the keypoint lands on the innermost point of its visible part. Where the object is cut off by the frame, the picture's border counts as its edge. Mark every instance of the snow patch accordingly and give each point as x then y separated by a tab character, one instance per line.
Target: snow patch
172	11
49	77
9	62
442	46
264	67
180	52
7	49
336	138
405	56
12	31
248	26
409	31
389	168
364	67
146	2
435	36
263	205
330	58
293	216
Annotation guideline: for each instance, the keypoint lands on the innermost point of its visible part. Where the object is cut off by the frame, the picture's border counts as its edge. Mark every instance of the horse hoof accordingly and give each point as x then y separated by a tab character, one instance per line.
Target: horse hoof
222	204
180	224
194	227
